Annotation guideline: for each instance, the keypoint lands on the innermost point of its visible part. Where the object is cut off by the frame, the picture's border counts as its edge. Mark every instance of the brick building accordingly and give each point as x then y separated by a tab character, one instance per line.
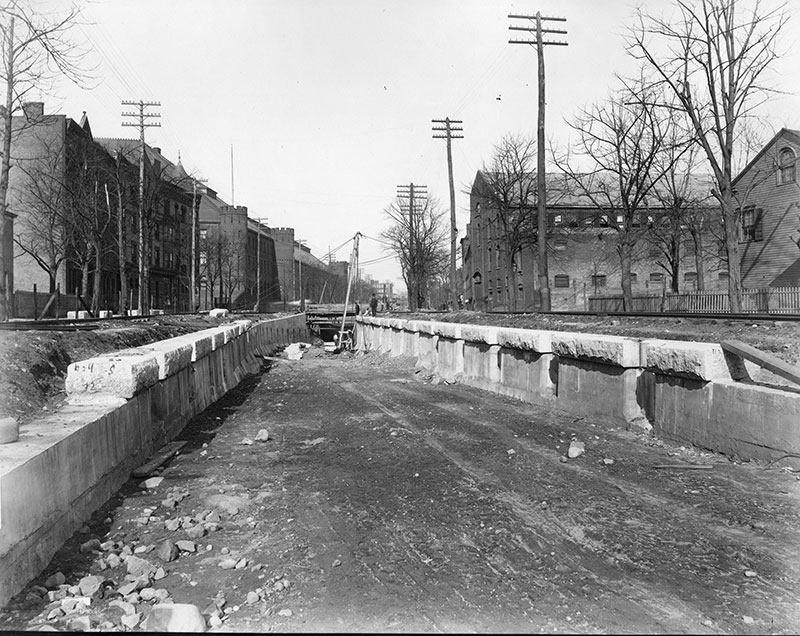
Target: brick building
230	257
582	254
299	269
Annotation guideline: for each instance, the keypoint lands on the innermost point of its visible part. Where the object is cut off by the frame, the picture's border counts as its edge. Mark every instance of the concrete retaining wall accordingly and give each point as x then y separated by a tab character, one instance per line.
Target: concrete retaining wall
686	391
122	408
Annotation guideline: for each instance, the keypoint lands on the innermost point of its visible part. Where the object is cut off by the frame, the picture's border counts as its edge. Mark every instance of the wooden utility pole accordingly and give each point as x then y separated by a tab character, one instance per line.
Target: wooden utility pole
540	43
258	267
451	128
144	265
410	192
195	213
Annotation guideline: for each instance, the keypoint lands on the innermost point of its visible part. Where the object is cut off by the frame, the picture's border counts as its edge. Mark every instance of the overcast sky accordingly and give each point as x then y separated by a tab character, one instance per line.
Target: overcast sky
328	104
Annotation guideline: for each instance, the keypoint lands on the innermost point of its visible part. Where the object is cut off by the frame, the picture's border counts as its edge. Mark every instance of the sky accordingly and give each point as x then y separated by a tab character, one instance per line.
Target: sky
319	109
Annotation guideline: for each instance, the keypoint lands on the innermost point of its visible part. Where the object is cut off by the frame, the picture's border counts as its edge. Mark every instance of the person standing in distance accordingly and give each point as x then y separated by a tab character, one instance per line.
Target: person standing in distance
373	304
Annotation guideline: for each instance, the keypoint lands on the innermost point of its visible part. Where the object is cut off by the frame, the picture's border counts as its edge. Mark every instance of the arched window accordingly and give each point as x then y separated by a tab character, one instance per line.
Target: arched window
786	166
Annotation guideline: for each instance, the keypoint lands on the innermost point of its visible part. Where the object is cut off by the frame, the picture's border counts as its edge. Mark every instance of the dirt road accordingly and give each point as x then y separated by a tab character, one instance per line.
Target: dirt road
387	501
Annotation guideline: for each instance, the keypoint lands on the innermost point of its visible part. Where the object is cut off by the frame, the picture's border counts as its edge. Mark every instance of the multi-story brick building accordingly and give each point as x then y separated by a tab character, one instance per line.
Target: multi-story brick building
232	264
303	275
168	205
582	254
768	191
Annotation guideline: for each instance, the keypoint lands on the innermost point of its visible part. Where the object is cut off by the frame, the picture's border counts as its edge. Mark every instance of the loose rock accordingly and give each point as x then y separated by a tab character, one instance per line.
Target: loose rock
576	449
227	564
139	567
153	482
91	544
175	617
167	551
54	580
187	546
263	435
89	585
253	598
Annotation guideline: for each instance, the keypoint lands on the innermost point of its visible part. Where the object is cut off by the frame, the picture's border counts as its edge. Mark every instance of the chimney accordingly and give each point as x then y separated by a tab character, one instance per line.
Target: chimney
157	149
33	110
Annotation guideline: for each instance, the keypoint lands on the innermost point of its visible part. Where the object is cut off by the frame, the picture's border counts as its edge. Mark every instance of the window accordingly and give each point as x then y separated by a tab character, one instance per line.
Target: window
561	281
656	277
157	257
599	280
751	223
558	219
203	235
690	277
722	276
634	278
786	166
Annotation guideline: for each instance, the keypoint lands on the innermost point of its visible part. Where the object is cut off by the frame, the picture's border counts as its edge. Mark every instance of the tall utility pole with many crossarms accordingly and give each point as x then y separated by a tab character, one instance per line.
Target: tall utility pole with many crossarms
540	43
451	129
144	255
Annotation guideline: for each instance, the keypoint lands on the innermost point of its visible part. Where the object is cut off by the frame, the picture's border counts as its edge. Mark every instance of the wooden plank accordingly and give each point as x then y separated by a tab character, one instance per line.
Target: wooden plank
164	453
763	359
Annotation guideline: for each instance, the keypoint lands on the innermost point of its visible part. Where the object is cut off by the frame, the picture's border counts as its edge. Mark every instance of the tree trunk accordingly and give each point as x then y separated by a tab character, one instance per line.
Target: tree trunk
98	270
123	266
625	258
675	263
512	281
5	167
698	260
84	291
731	226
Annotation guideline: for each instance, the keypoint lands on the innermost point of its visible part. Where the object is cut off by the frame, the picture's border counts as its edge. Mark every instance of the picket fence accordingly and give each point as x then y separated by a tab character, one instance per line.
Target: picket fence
766	300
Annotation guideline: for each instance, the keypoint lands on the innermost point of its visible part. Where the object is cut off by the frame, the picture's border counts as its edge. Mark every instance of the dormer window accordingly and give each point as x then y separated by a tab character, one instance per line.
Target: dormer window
786	166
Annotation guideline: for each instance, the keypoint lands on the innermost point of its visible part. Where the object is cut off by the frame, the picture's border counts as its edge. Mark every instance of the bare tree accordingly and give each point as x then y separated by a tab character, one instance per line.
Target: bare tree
713	59
44	235
35	48
622	139
511	196
419	242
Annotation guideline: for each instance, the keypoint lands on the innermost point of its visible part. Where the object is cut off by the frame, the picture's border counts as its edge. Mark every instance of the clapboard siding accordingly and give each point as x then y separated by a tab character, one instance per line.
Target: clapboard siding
765	260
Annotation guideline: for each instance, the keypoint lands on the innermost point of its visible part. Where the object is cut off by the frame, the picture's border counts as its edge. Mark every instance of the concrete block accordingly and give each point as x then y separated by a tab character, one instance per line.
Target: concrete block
229	332
218	313
121	374
746	420
396	323
449	358
525	339
527	375
479	333
587	387
450	330
411	326
105	313
613	350
700	360
172	355
426	327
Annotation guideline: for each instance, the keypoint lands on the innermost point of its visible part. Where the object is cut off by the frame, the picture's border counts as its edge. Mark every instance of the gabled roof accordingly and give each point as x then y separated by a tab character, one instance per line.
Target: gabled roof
793	135
130	149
